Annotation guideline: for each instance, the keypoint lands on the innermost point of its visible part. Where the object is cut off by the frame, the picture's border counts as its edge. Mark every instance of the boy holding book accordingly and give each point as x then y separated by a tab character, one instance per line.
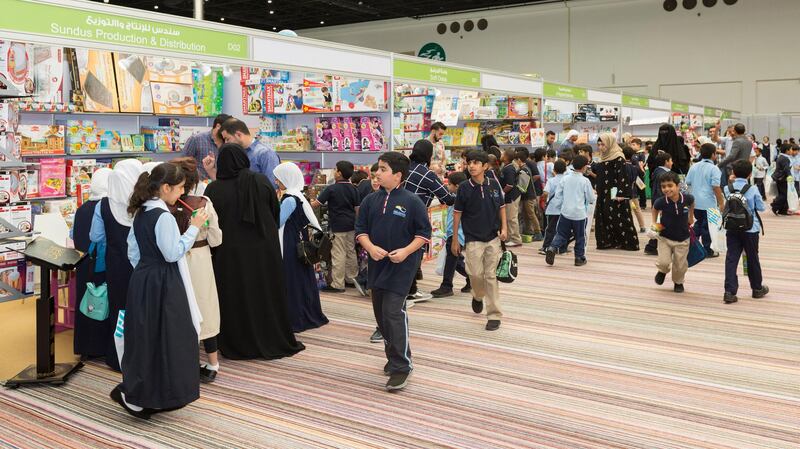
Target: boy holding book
677	215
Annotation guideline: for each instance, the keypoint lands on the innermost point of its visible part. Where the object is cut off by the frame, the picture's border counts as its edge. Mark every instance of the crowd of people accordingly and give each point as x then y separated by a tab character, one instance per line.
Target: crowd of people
224	264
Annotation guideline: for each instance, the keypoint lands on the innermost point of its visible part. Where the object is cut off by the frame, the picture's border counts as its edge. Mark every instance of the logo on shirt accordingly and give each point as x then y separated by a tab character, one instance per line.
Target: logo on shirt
400	211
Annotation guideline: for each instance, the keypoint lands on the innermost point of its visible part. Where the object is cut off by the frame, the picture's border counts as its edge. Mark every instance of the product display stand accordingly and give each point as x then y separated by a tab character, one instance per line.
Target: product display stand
48	256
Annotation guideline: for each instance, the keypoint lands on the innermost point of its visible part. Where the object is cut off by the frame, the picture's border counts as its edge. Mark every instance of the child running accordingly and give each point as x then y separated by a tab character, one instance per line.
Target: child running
676	211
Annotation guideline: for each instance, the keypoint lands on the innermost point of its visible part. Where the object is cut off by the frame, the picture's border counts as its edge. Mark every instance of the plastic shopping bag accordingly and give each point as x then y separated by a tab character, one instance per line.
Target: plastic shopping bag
440	260
119	336
696	251
791	196
718	233
769	184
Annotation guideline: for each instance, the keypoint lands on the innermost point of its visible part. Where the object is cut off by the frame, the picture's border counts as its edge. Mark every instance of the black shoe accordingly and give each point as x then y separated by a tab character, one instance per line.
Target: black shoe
580	262
550	256
116	395
760	293
493	325
477	306
660	278
397	381
348	284
329	289
711	254
386	370
376	336
650	252
467	288
207	375
442	292
730	298
566	250
538	237
678	288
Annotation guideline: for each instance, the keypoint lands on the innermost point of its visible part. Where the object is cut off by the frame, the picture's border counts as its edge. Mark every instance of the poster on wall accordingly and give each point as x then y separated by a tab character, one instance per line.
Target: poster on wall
538	137
133	83
99	86
169	70
48	65
445	110
16	65
169	98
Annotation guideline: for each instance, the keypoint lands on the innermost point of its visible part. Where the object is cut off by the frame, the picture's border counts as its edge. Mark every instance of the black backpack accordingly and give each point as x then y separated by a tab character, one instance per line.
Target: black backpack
736	216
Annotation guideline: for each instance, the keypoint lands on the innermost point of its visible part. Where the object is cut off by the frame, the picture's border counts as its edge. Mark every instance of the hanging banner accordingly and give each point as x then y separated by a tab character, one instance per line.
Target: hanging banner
680	107
565	92
711	112
635	102
436	74
94	26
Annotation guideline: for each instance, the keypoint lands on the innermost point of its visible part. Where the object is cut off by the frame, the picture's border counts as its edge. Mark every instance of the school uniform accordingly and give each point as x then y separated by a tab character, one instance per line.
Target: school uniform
479	205
342	199
452	263
701	179
364	189
760	166
528	201
576	195
392	220
744	241
673	241
552	211
656	193
508	177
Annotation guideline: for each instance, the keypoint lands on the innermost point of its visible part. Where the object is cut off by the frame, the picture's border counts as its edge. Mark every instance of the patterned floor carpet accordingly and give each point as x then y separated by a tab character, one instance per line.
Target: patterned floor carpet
590	357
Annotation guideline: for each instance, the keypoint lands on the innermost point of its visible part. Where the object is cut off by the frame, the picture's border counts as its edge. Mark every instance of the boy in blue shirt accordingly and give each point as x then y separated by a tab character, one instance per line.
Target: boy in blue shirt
677	213
480	207
703	180
746	241
392	226
452	263
575	193
553	208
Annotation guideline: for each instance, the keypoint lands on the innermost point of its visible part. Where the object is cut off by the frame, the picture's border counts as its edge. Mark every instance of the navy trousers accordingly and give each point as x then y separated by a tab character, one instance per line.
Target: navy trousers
738	242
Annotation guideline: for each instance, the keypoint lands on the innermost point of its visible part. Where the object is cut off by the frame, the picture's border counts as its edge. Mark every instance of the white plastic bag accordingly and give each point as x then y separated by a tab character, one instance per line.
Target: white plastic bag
791	197
718	233
440	260
768	185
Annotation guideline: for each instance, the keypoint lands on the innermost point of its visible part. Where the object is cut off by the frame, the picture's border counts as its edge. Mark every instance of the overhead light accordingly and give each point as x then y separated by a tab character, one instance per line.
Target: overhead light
271	11
269	1
222	19
155	7
322	22
274	28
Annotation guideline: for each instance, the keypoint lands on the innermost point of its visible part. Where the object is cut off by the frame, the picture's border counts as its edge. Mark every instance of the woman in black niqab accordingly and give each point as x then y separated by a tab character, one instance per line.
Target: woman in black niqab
670	142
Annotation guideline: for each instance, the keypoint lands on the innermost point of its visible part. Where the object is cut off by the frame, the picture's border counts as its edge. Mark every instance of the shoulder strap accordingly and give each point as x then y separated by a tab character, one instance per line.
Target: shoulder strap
732	189
745	189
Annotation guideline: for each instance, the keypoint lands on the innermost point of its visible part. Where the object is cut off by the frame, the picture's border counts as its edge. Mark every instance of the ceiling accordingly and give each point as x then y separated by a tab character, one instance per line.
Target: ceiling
302	14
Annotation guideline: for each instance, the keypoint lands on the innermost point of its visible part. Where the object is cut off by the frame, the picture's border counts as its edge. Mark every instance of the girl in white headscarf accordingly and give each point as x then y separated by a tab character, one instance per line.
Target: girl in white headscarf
111	224
149	166
305	311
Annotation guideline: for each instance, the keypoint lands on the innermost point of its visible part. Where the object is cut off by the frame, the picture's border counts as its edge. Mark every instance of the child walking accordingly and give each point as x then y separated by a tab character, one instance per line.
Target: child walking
553	208
393	226
744	241
343	201
162	323
576	195
508	180
452	262
703	181
663	164
481	209
676	210
760	166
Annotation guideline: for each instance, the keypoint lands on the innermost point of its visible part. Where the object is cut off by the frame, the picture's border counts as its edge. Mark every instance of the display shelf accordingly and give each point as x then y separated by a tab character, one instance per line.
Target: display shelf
116	114
46	198
527	119
97	155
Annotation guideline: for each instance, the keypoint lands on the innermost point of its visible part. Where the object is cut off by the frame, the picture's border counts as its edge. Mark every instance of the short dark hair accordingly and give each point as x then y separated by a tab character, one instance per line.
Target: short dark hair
585	147
479	156
785	147
579	162
628	152
438	126
551	153
742	169
456	177
510	153
345	168
422	153
358	176
374	168
550	133
739	128
397	161
707	150
669	176
539	154
220	119
568	155
494	150
662	158
522	153
637	141
234	125
559	167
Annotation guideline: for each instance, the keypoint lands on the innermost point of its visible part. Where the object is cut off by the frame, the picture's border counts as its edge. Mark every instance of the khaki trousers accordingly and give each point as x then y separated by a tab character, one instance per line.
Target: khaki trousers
481	263
675	253
531	218
343	258
512	221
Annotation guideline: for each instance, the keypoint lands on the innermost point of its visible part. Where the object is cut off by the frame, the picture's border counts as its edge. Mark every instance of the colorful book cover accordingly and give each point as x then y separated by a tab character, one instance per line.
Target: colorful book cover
169	70
48	64
519	107
110	142
97	80
347	133
52	178
138	142
127	143
524	133
41	139
133	83
323	135
253	99
173	98
538	137
471	133
208	92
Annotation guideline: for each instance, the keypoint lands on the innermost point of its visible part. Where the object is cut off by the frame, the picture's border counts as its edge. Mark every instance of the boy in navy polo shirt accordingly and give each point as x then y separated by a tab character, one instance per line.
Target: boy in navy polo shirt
663	163
677	214
343	200
747	241
392	227
481	209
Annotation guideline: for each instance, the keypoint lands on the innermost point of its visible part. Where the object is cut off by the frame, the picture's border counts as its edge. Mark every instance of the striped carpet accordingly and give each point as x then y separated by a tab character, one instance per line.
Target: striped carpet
590	357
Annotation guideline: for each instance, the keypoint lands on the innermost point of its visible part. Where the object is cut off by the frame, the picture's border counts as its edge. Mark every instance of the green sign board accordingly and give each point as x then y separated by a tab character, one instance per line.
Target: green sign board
432	50
680	107
636	102
94	26
726	114
711	112
565	92
436	73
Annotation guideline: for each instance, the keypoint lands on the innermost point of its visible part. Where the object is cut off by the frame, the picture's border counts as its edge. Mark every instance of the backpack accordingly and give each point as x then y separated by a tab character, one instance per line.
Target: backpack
523	180
317	248
507	267
736	216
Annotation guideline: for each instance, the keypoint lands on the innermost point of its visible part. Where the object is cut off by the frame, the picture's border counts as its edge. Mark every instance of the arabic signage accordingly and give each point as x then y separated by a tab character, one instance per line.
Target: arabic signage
436	74
566	92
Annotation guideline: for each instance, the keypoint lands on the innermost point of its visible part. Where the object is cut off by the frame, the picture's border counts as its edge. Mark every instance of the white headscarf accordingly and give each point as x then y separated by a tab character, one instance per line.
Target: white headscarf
120	187
572	133
100	184
149	166
291	177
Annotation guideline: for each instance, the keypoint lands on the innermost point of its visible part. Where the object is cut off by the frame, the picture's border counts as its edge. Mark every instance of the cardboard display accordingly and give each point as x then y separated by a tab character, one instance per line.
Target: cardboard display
133	83
97	80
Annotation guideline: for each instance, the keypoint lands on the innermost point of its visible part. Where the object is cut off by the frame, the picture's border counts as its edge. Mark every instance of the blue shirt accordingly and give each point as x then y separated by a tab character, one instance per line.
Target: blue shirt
172	244
553	204
198	147
97	233
701	179
795	164
575	192
754	201
263	160
287	209
425	184
449	227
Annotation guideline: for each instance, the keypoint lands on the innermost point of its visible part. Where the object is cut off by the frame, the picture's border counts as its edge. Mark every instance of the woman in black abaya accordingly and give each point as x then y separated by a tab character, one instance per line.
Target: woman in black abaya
670	142
248	265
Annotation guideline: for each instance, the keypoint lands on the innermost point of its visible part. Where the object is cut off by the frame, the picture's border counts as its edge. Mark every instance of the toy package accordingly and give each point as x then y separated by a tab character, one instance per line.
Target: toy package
608	113
348	138
16	65
10	187
169	98
82	136
161	139
97	81
41	139
48	74
375	128
9	117
79	173
110	142
65	207
208	92
317	93
323	134
169	70
52	178
133	83
138	142
32	182
352	94
253	99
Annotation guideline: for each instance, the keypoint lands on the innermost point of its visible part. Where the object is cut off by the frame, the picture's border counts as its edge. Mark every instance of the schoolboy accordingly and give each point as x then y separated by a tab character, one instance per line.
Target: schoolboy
481	209
575	193
747	241
677	214
452	262
370	184
393	226
703	181
343	201
760	166
553	210
508	181
528	198
663	164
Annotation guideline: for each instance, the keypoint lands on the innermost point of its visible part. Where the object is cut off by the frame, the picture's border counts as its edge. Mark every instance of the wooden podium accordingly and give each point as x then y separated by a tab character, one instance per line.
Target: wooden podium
48	256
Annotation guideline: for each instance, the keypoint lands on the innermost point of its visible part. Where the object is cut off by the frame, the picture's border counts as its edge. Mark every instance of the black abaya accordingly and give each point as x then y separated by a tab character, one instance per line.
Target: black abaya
90	336
613	222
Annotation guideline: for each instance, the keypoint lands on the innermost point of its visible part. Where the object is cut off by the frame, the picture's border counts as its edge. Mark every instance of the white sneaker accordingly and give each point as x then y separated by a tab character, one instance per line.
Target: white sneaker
359	288
419	296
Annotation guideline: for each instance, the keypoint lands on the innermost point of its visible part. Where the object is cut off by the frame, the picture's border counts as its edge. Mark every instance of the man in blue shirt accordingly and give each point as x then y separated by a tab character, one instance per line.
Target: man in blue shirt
575	195
205	144
746	241
703	180
262	158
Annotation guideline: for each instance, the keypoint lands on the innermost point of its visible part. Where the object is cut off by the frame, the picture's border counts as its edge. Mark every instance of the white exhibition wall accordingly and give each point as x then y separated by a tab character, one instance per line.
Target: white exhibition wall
736	57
